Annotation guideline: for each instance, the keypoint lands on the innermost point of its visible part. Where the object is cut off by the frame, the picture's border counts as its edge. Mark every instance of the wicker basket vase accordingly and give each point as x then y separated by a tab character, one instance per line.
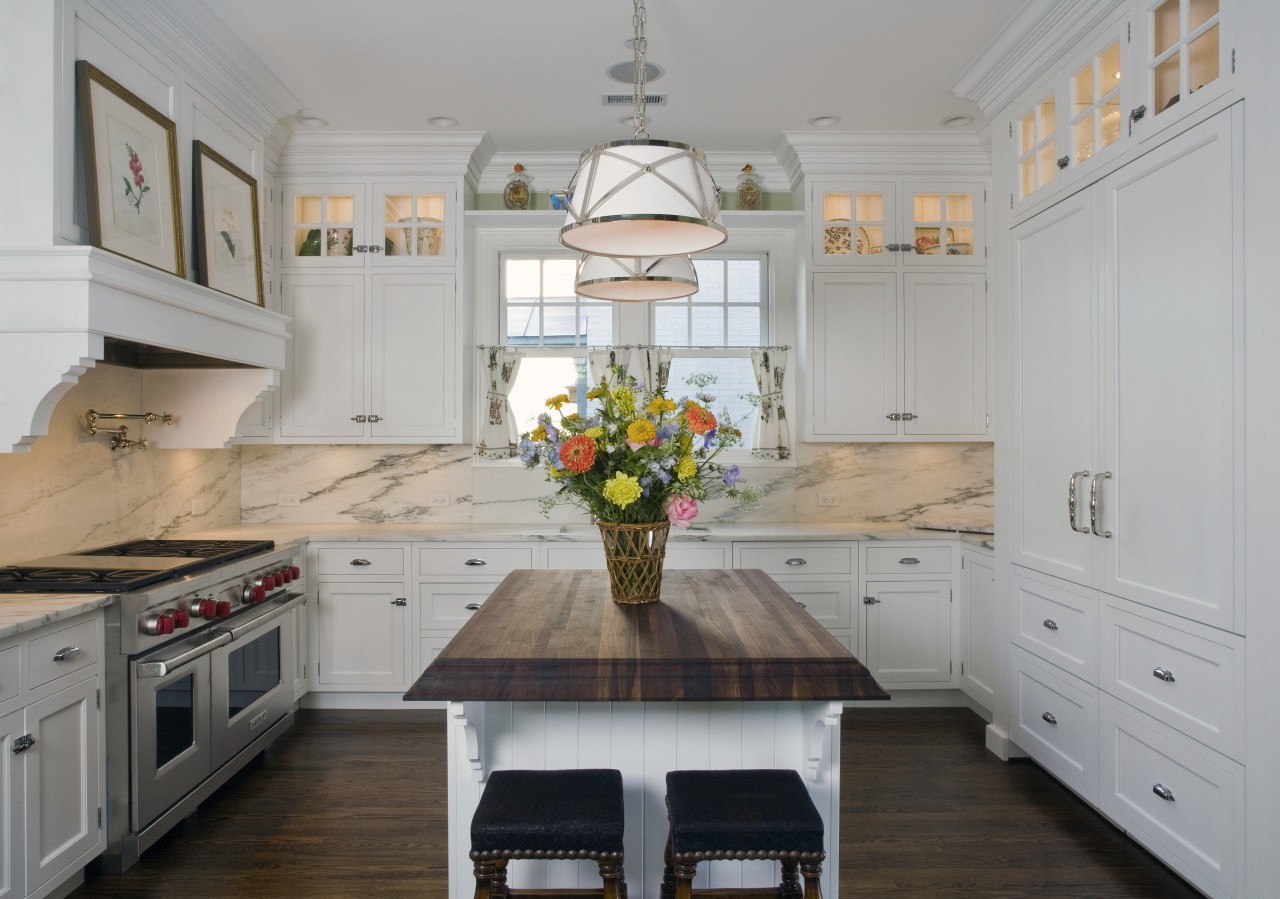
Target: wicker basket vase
633	553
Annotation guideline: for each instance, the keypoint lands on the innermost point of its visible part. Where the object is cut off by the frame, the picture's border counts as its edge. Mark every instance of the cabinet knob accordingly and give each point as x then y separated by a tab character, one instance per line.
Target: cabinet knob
67	653
1051	624
870	601
473	606
909	416
894	416
361	562
1163	792
23	743
796	562
1050	717
360	419
375	418
1064	161
1162	673
399	601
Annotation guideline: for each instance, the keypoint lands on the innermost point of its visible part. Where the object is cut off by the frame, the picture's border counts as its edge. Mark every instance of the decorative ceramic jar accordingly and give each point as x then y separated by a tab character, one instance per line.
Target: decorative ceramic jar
516	194
748	189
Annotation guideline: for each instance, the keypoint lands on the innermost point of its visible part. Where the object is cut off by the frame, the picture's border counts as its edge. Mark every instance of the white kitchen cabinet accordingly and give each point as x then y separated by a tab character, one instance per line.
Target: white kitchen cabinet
819	576
374	358
370	224
980	633
361	621
52	775
856	224
909	622
898	356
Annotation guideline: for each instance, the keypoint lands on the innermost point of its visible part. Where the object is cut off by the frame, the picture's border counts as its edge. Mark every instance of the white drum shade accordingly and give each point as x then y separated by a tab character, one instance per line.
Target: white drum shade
642	198
625	279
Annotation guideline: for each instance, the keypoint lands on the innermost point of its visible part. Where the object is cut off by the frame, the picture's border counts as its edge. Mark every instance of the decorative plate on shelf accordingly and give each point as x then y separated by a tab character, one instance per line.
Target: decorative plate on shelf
837	241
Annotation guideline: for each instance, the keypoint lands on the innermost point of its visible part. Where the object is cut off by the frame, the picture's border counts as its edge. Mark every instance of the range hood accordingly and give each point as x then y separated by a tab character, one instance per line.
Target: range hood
204	355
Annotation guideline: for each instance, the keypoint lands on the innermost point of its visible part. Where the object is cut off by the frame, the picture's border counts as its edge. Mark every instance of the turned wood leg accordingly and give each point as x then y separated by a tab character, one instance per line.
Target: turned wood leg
812	872
615	884
668	890
790	888
684	879
484	876
499	888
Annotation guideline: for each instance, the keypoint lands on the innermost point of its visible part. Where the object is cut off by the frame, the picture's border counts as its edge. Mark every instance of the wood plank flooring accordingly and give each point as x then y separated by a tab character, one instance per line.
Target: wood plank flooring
353	804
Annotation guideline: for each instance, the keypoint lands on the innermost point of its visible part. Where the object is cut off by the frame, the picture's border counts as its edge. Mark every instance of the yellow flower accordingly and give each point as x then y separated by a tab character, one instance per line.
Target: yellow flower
622	490
570	420
660	404
557	401
597	392
538	434
686	468
594	433
641	431
624	397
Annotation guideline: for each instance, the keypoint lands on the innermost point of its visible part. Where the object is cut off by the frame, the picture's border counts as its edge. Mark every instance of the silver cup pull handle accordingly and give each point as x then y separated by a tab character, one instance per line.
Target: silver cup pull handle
66	654
1050	717
909	560
1051	624
361	562
475	562
472	607
796	562
1162	673
1163	792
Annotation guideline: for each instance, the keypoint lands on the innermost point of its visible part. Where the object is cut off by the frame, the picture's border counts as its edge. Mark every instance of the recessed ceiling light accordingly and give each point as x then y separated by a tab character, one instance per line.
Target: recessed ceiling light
311	121
956	121
824	121
626	71
442	121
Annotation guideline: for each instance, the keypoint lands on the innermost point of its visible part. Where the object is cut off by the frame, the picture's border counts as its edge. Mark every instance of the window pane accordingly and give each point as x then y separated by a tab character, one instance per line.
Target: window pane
744	326
522	279
560	325
744	280
597	324
671	324
708	326
540	379
557	278
522	324
710	280
732	388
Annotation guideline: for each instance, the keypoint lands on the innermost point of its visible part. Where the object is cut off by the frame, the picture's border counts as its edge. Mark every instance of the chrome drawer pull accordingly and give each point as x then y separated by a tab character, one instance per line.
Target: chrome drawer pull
66	654
361	562
472	606
797	561
1163	792
909	560
474	562
1051	624
1048	716
1162	673
399	601
1071	500
801	605
1093	504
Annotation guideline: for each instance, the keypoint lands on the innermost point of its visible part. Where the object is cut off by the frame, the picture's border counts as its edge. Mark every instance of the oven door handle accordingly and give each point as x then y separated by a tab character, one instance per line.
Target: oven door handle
153	667
286	603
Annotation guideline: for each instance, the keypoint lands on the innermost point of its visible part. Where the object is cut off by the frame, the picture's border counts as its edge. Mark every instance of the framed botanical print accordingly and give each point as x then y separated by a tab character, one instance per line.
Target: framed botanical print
131	173
228	243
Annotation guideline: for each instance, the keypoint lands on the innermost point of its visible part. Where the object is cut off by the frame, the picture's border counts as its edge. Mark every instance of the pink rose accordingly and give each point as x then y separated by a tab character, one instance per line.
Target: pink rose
681	511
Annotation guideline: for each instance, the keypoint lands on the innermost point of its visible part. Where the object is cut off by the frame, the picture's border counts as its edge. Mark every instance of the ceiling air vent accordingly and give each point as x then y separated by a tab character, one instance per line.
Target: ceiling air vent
628	99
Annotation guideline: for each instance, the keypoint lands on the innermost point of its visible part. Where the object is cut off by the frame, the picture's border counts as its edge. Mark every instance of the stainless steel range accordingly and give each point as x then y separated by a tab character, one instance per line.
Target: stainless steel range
201	651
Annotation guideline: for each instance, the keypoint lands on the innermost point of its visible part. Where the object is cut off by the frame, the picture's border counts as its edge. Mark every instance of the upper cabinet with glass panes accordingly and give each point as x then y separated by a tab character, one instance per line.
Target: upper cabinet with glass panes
898	223
1184	58
370	225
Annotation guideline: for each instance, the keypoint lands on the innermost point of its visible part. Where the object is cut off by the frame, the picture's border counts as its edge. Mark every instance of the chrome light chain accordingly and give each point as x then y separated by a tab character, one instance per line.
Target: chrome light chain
638	20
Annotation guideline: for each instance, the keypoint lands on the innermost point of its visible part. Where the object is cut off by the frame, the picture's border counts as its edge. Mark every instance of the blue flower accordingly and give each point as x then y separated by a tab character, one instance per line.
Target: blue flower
709	438
527	450
667	431
731	475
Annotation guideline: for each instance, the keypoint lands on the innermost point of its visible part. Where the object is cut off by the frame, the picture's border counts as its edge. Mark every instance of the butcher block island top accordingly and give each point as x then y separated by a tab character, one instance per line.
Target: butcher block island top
716	634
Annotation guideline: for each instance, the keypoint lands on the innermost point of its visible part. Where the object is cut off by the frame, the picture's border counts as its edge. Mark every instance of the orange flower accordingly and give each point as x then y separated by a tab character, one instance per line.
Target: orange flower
699	420
578	453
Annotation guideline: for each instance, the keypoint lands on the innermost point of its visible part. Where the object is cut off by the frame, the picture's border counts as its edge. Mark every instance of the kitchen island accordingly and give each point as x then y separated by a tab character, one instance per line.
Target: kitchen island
726	671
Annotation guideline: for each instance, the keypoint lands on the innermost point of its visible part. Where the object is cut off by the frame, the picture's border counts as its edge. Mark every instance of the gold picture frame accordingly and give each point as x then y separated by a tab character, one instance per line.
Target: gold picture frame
228	244
130	154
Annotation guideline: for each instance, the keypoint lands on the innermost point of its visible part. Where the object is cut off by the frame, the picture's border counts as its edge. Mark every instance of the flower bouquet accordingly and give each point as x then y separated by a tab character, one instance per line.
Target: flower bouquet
639	463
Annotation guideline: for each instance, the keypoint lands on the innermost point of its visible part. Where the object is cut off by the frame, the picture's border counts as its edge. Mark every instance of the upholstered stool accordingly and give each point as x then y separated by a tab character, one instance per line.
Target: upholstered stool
572	814
752	814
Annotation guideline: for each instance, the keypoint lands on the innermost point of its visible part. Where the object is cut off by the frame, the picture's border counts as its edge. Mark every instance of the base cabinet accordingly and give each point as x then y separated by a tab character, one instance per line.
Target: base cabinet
361	620
819	576
909	623
979	657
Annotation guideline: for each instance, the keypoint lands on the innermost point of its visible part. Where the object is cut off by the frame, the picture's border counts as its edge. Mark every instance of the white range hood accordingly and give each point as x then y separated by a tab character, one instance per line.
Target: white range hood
205	356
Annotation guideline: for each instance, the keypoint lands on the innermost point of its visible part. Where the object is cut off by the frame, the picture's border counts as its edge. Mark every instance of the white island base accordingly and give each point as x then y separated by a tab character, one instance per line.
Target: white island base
643	740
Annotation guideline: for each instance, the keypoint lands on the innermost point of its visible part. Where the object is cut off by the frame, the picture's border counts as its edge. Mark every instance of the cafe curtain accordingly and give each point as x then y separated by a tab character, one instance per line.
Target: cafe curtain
649	365
498	435
772	438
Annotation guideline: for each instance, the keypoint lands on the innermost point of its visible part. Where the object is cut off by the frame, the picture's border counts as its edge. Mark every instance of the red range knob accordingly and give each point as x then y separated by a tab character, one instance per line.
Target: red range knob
257	594
268	581
181	618
164	624
295	571
223	609
285	576
208	608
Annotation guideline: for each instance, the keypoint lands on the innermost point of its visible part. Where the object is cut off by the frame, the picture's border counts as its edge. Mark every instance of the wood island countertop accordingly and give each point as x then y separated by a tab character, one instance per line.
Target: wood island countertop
715	634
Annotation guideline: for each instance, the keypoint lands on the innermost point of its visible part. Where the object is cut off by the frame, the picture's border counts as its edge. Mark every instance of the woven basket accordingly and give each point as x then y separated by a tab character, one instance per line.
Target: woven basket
633	553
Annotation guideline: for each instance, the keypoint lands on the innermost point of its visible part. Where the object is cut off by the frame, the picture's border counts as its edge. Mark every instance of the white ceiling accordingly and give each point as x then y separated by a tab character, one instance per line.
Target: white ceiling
531	74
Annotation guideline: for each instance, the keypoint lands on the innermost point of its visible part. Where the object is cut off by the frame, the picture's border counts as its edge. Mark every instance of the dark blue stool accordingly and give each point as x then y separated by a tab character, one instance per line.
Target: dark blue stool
752	814
574	814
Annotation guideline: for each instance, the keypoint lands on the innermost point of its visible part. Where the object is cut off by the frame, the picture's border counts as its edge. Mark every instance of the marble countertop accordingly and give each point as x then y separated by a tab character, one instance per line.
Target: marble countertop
21	612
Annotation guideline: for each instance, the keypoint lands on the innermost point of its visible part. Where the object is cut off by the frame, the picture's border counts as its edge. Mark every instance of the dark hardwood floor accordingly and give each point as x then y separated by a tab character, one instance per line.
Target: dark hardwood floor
353	804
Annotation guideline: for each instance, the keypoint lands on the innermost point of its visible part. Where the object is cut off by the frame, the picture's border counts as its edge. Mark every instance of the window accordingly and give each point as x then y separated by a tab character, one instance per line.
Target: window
711	333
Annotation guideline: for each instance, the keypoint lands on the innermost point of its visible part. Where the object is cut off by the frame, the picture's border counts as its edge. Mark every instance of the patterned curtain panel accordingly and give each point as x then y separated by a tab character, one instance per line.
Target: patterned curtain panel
650	365
772	438
498	433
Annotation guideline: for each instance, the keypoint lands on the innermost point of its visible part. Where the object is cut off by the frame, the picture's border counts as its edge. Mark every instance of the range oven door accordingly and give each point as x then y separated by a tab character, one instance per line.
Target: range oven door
253	678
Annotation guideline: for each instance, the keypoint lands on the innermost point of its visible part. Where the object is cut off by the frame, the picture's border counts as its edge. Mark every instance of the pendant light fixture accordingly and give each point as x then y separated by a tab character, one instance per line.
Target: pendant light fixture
642	198
630	279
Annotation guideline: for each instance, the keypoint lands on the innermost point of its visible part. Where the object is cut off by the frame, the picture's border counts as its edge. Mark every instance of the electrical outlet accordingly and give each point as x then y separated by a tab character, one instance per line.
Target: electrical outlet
288	499
828	499
199	507
437	500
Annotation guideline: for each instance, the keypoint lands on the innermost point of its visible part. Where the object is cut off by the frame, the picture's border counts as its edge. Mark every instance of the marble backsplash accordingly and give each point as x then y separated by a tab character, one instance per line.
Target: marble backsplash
71	492
371	484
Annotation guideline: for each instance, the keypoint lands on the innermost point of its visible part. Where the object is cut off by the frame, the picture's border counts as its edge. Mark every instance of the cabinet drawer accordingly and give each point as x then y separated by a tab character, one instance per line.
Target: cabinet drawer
911	560
360	558
9	674
451	605
1188	676
1056	722
827	601
791	559
1058	624
477	561
1181	800
62	652
678	555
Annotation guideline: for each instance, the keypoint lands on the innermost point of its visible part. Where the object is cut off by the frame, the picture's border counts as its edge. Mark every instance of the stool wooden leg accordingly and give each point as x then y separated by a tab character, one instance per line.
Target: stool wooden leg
790	888
484	877
499	888
615	883
684	879
812	872
668	873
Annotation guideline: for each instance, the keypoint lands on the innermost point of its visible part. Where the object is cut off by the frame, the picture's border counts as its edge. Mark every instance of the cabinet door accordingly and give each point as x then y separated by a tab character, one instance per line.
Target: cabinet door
853	224
908	632
982	635
414	224
942	225
1054	390
1173	420
855	381
323	224
362	631
1186	58
62	782
945	317
1096	103
323	382
1036	139
12	858
412	349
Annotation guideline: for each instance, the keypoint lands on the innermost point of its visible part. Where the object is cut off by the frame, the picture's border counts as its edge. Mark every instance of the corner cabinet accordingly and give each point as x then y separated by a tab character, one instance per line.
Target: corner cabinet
898	356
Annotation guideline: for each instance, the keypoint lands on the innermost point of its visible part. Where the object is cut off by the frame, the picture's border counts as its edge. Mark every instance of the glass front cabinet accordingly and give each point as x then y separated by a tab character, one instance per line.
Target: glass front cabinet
363	225
897	224
1185	58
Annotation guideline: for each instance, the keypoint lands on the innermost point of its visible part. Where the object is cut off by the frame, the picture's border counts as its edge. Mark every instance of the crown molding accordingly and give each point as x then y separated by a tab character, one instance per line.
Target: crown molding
1027	48
359	154
882	152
